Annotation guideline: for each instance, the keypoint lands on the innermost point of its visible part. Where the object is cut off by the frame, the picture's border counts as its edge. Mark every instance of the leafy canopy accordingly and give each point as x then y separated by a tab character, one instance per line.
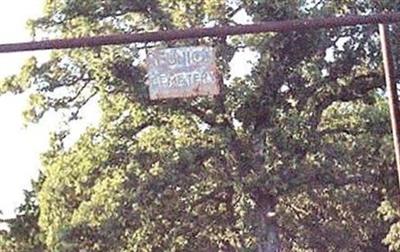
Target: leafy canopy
297	154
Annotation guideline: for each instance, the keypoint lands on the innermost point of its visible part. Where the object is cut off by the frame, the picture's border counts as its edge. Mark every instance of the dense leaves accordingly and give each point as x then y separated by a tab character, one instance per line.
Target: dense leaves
295	155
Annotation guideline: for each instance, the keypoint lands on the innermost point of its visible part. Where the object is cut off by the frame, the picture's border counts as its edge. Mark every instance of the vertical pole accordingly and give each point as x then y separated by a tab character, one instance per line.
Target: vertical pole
391	90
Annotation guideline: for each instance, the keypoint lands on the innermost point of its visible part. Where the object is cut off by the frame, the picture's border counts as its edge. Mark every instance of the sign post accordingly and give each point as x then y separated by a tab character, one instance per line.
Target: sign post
182	72
391	90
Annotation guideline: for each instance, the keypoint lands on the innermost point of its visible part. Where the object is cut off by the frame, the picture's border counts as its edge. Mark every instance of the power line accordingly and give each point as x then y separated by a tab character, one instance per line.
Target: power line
193	33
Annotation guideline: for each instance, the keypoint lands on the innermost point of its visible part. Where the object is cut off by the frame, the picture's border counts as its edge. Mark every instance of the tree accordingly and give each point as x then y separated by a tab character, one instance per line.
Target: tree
295	156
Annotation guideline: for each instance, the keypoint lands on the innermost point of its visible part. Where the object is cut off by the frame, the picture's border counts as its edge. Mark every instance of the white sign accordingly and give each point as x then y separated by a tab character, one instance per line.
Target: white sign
182	72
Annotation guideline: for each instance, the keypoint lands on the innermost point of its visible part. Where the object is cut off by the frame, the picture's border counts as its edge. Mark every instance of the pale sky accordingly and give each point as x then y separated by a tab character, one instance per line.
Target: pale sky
20	147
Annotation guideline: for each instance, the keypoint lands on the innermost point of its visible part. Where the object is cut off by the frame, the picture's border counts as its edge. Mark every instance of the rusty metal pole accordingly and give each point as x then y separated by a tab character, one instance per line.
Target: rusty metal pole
193	33
391	90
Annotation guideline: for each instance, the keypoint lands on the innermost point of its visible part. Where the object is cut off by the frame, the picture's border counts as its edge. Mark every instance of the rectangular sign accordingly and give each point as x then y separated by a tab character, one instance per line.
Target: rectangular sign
182	72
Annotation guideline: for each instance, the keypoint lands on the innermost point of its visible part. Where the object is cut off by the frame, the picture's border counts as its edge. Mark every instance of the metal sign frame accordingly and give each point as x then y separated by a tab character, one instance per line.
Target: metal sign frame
382	19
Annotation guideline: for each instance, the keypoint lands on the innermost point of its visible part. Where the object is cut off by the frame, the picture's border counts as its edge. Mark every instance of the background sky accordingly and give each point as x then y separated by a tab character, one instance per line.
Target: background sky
20	146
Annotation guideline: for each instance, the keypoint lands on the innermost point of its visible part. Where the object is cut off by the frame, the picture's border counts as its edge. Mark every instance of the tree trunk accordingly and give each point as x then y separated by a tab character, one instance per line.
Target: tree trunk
268	235
267	232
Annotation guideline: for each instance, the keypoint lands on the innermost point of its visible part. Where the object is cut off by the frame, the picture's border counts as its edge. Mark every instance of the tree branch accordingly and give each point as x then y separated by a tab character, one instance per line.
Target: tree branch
358	88
75	114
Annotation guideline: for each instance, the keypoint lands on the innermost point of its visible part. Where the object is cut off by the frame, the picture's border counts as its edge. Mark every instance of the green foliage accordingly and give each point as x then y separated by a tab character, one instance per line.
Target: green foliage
297	153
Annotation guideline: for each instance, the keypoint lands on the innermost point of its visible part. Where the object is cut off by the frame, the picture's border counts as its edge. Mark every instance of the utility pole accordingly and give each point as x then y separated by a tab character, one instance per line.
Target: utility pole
391	87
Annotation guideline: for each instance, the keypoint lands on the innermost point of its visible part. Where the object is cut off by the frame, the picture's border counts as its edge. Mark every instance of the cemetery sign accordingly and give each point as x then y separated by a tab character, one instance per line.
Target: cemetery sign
182	72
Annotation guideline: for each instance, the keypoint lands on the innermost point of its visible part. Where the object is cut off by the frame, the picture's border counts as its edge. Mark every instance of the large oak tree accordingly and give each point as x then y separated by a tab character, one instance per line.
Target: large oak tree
294	156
